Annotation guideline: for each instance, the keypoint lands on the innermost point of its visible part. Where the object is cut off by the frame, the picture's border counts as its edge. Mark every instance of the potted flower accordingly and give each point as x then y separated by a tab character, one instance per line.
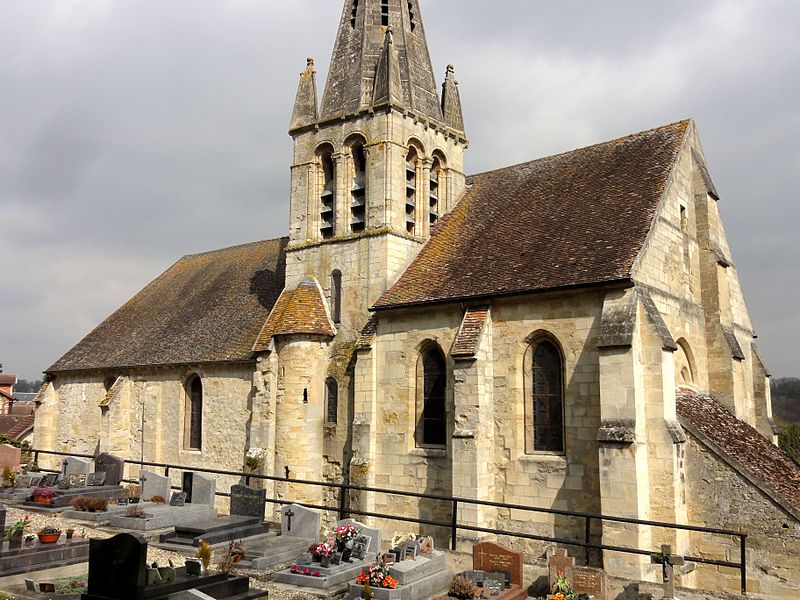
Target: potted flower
15	533
236	550
134	493
49	535
323	551
562	589
43	495
377	575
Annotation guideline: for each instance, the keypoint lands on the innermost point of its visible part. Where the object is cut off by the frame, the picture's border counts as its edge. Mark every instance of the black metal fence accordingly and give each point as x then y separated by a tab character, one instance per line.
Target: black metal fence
453	524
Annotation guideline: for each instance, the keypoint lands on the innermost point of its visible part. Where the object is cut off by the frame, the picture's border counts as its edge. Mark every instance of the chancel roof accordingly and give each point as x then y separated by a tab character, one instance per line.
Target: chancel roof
573	219
207	307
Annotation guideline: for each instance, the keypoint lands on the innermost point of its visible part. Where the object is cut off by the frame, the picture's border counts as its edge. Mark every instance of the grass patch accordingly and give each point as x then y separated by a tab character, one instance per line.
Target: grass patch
71	585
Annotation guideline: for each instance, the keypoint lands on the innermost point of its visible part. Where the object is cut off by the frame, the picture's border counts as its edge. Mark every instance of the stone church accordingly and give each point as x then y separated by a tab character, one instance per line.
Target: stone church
565	333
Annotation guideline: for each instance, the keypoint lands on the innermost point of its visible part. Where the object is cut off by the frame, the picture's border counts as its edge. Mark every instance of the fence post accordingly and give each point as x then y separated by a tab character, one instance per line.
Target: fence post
345	489
454	525
36	457
166	471
247	479
743	567
587	539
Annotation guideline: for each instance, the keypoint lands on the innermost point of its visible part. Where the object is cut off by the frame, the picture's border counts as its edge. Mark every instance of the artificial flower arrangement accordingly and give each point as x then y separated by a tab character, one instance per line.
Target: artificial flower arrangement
346	533
43	492
377	575
324	548
307	571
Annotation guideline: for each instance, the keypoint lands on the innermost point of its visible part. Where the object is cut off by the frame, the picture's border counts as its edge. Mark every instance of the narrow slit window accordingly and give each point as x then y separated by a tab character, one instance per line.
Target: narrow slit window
336	296
412	18
193	429
353	14
331	401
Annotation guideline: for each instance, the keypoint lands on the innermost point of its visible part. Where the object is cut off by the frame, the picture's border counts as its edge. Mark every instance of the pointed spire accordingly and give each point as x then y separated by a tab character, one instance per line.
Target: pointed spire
351	83
388	89
451	101
305	103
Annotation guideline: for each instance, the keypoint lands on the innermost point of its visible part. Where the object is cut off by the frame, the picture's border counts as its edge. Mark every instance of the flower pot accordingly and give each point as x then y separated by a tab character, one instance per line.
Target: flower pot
237	558
325	562
346	555
15	539
48	538
43	499
133	500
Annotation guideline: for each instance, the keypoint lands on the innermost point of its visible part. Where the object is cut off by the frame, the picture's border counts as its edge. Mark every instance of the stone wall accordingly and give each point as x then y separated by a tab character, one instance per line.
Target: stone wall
723	498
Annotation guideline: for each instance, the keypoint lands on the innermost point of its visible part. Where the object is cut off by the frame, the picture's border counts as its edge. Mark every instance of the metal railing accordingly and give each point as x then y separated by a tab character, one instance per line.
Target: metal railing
453	524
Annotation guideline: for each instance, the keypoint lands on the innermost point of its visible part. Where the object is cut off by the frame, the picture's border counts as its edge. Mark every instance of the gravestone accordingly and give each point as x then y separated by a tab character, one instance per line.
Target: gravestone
95	479
373	536
153	484
409	550
177	499
9	456
299	521
36	480
558	561
247	501
2	520
491	557
112	466
668	562
594	582
73	465
117	567
202	488
49	480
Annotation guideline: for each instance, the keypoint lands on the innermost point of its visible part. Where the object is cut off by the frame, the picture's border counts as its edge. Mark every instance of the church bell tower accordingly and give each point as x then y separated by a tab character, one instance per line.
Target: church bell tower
377	164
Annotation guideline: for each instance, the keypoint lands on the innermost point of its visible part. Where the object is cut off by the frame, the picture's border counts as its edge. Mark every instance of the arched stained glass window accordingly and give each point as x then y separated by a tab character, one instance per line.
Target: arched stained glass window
432	384
547	397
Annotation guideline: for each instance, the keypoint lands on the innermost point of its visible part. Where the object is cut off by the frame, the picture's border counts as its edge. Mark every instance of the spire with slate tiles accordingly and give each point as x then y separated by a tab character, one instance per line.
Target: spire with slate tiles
305	103
361	42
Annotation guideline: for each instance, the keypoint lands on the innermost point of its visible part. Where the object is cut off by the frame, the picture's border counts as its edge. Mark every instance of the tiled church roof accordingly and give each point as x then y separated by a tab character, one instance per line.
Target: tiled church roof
739	444
298	311
568	220
207	307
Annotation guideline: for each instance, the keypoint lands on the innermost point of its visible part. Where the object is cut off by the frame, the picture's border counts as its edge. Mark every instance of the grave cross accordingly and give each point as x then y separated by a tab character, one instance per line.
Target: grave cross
289	514
667	562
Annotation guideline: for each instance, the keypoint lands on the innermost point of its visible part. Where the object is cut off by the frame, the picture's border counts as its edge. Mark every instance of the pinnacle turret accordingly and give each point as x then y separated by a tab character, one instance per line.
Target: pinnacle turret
388	88
305	103
451	101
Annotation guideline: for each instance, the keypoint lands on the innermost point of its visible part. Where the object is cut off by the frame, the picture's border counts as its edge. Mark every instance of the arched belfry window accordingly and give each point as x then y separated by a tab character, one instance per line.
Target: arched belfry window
435	187
331	400
336	296
412	160
547	397
358	191
431	391
326	181
385	13
193	414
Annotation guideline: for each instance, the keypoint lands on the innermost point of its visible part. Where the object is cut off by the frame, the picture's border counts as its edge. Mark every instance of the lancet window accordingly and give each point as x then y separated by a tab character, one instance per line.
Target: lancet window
412	160
193	414
326	180
435	187
431	390
358	191
547	397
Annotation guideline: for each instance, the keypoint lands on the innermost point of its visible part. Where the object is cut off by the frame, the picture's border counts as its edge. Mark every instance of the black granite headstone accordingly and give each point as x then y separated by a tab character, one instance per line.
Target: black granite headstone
2	519
177	499
49	480
117	567
247	501
112	466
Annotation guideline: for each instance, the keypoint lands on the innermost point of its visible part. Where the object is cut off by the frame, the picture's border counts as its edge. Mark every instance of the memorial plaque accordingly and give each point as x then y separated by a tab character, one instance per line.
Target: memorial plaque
112	466
23	481
594	582
425	545
491	557
194	566
30	585
559	561
49	480
247	501
177	499
360	548
36	480
72	480
47	587
81	480
117	567
95	479
389	558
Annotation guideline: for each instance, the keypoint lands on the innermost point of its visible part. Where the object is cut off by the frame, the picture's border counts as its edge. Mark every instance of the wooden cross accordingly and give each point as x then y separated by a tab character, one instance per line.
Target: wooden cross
289	514
667	562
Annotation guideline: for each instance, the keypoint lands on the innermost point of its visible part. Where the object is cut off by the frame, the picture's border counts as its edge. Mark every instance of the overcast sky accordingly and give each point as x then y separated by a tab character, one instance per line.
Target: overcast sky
134	132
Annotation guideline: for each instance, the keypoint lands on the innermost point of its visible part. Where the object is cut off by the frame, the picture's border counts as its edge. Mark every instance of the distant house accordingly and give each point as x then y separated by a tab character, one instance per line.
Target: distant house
7	383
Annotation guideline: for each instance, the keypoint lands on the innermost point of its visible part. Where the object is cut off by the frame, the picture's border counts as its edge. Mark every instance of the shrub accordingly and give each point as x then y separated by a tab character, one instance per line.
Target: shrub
98	504
81	503
158	499
461	588
44	492
133	491
135	512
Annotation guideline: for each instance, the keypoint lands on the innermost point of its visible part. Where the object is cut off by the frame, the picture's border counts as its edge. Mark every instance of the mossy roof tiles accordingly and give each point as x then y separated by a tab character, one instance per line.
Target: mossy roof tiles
741	446
572	219
207	307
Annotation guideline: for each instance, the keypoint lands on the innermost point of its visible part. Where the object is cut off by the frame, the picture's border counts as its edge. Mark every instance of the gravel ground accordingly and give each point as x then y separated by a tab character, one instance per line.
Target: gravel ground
40	520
